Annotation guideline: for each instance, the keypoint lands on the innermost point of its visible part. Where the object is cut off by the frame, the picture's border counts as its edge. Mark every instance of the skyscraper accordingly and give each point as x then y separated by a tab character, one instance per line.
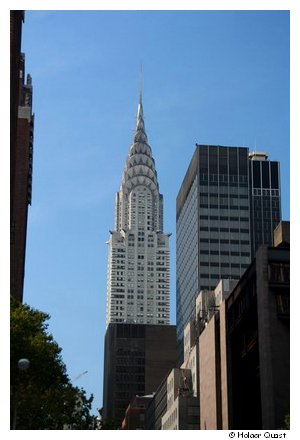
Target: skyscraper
265	199
138	287
228	204
213	225
140	346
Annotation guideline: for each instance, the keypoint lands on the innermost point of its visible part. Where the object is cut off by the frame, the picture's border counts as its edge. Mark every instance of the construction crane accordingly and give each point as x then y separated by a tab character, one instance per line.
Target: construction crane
77	377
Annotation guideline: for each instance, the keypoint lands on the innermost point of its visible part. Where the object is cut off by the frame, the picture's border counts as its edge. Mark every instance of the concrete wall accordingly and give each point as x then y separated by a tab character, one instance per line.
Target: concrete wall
223	356
207	371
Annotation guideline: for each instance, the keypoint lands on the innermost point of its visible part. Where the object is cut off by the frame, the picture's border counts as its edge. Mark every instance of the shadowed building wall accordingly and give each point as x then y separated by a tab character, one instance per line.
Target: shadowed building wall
22	122
136	359
258	338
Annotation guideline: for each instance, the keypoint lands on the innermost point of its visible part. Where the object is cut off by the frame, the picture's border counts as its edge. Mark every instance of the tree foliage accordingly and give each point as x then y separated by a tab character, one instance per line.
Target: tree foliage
42	397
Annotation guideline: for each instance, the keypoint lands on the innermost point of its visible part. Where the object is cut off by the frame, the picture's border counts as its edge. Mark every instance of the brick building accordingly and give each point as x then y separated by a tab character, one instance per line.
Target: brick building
21	151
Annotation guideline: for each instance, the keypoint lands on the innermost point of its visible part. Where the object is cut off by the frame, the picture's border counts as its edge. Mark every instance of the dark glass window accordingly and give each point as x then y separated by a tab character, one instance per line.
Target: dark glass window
203	159
223	160
265	175
243	161
274	175
233	161
213	160
256	174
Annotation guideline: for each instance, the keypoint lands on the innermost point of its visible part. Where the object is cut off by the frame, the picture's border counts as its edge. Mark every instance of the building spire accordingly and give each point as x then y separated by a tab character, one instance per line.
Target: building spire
140	106
140	133
141	85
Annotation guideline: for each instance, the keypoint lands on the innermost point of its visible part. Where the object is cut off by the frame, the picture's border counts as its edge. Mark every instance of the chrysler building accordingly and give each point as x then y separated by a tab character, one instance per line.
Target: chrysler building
138	284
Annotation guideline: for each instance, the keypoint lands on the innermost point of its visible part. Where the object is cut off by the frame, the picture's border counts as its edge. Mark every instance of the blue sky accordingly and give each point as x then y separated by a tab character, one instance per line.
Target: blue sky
211	77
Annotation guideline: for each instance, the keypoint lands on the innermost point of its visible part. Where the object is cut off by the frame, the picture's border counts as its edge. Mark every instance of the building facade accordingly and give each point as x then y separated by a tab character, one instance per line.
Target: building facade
138	287
135	415
228	204
213	372
265	204
212	225
157	407
136	359
182	407
244	348
258	341
21	148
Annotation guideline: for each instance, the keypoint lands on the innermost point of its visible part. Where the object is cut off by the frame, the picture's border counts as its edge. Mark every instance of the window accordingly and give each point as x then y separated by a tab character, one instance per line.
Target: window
283	305
279	272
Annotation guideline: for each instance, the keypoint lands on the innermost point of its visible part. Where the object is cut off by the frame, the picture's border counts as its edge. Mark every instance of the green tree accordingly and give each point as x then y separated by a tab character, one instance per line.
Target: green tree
42	397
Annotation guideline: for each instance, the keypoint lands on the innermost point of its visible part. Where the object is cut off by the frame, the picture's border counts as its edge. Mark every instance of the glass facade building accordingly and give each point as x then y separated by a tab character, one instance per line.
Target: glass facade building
265	200
228	204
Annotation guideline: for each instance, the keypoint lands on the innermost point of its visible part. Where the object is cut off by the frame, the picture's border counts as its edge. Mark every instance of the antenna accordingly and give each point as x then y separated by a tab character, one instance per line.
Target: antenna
141	83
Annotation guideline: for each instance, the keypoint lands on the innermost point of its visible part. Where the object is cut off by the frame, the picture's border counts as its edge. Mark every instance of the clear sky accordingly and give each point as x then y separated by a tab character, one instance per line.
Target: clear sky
211	77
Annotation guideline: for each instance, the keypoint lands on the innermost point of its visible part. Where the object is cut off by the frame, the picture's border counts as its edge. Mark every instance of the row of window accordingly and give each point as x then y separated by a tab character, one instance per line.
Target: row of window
214	229
212	240
223	196
233	253
265	192
227	218
224	178
139	321
232	207
224	189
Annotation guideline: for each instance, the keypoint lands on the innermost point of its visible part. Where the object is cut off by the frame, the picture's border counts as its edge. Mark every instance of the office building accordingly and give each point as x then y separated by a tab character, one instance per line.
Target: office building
265	207
136	359
21	155
258	339
138	287
244	349
212	226
228	204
